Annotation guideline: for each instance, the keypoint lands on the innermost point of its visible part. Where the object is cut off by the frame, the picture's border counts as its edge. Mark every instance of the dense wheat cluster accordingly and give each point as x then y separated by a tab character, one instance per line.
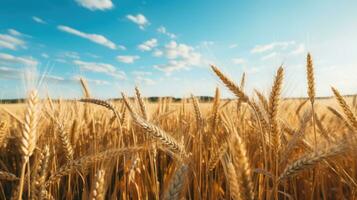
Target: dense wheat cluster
252	147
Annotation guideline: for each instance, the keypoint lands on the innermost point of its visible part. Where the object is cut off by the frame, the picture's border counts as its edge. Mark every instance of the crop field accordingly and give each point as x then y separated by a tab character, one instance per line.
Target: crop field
251	147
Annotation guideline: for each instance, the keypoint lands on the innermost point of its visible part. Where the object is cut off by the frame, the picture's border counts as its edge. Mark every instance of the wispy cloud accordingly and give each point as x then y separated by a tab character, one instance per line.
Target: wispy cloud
180	56
96	38
148	45
38	20
11	42
69	54
232	46
270	56
94	81
22	61
141	73
45	55
139	19
238	61
298	50
164	31
105	68
10	73
127	59
14	32
144	80
271	46
19	74
157	53
96	4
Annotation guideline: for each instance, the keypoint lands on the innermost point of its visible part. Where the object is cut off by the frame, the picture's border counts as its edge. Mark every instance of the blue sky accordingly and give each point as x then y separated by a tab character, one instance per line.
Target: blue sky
165	47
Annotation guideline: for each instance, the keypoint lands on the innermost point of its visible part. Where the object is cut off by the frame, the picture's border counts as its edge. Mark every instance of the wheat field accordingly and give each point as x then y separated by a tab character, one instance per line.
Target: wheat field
251	147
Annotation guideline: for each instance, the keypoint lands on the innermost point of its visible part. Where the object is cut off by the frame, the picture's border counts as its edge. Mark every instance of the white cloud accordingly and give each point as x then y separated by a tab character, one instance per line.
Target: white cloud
238	61
96	38
96	4
270	56
24	61
299	50
94	81
148	45
127	59
10	73
164	31
107	69
271	46
39	20
60	60
70	54
48	77
143	80
11	42
141	73
14	32
158	53
232	46
180	56
207	43
139	19
45	55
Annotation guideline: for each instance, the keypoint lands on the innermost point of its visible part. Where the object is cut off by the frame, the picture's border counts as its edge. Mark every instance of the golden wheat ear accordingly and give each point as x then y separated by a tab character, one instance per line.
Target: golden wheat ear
155	131
176	184
346	109
274	101
310	78
141	103
230	84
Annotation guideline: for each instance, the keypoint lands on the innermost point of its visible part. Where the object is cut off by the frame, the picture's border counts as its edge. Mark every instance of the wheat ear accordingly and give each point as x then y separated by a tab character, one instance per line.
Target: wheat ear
41	173
29	135
198	114
273	107
346	109
141	103
230	85
216	156
66	144
263	100
311	159
241	162
215	109
8	176
98	191
232	180
310	78
105	104
85	88
154	131
86	161
3	133
176	184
